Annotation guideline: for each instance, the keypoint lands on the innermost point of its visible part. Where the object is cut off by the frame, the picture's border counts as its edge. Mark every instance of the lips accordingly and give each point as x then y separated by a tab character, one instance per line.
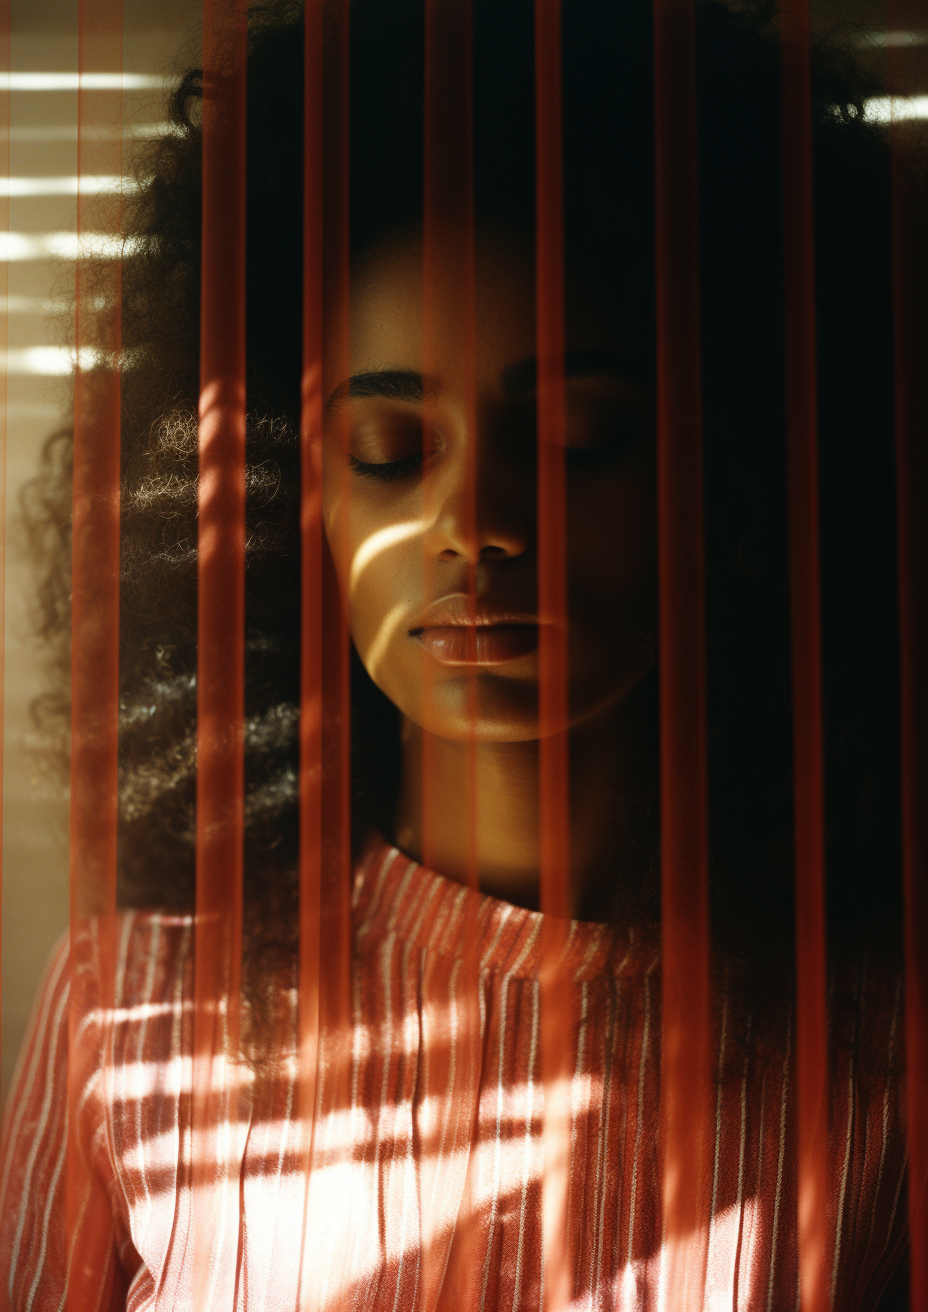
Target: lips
491	644
458	630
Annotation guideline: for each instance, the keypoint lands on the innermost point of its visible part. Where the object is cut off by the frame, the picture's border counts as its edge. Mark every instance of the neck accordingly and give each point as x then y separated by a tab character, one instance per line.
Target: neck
469	810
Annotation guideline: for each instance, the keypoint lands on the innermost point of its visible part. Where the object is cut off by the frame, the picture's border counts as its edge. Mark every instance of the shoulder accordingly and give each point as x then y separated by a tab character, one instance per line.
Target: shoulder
103	977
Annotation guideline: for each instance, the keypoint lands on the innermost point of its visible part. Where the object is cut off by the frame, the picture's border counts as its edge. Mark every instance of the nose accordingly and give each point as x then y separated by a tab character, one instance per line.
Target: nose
485	523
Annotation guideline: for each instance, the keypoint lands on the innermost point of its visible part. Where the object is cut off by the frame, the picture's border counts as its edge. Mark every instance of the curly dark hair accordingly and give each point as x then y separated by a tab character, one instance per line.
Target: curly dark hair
609	223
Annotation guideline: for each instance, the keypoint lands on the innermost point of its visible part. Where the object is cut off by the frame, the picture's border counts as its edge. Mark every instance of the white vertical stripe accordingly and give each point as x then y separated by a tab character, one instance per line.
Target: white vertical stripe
756	1212
398	909
741	1146
527	1144
386	864
442	915
413	931
152	957
497	1140
718	1139
892	1215
374	1178
409	1033
50	1202
38	1043
287	1130
599	1192
886	1088
844	1174
223	1145
639	1118
182	1064
595	942
39	1136
491	947
622	1138
78	1226
578	1113
774	1237
109	1010
452	1076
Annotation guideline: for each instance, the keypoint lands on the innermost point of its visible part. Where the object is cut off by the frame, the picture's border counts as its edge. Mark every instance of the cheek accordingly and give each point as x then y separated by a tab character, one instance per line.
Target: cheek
378	569
375	612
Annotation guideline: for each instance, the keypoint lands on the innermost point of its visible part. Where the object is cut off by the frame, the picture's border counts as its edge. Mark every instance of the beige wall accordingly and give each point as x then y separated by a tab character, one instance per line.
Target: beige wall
44	146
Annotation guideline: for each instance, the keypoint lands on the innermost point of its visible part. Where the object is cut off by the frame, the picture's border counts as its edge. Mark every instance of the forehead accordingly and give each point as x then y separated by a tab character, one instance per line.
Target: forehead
393	326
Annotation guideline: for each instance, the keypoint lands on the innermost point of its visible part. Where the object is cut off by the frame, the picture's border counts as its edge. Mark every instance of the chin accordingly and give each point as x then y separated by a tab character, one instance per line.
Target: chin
506	710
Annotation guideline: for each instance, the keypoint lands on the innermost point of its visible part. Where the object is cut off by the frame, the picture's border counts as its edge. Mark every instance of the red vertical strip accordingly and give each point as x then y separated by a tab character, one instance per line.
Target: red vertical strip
325	718
5	59
449	308
311	613
449	318
221	639
95	595
552	499
553	709
328	303
805	616
908	70
336	795
685	1064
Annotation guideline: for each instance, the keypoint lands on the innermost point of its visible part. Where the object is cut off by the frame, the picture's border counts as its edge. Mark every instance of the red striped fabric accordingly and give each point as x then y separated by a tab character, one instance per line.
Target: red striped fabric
396	1157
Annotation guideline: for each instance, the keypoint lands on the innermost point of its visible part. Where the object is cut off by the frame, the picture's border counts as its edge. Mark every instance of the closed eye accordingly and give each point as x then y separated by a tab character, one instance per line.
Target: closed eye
386	470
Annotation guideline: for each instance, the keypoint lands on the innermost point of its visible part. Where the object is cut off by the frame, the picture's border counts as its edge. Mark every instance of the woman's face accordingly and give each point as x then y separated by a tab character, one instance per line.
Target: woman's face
406	433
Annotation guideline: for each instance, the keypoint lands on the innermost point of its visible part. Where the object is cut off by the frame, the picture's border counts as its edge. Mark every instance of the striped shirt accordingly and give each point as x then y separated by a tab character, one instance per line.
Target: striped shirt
427	1175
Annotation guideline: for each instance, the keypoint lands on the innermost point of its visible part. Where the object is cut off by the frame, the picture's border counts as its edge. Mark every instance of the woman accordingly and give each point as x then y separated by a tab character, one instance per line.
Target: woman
426	1182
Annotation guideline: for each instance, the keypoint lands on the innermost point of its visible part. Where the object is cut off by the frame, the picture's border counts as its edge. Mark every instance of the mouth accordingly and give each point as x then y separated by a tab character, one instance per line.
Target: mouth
486	630
478	644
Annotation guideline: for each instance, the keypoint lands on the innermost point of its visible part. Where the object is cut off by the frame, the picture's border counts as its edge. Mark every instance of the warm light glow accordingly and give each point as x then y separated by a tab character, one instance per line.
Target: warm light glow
18	246
379	646
86	185
68	132
895	109
379	542
897	38
48	361
76	81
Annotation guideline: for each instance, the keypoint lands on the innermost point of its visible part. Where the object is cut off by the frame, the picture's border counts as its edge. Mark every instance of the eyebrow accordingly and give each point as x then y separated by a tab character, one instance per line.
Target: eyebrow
518	380
390	384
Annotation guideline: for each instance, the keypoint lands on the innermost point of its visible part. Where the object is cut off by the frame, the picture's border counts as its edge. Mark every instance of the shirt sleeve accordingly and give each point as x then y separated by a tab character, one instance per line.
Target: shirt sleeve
57	1231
